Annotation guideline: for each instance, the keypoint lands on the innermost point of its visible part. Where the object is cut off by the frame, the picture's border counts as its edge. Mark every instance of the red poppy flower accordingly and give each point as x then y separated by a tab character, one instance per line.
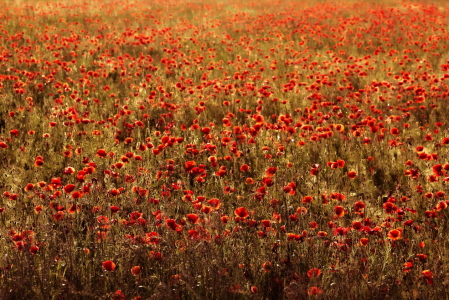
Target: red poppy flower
395	234
103	220
69	188
67	153
266	223
206	209
301	211
390	207
340	231
249	181
441	205
267	181
288	189
338	196
394	131
114	209
38	209
114	192
352	174
408	223
77	195
315	272
142	147
339	211
314	171
340	163
58	216
428	276
96	209
201	198
244	168
364	241
313	225
293	218
72	209
261	234
215	203
439	194
69	170
193	234
307	199
192	218
28	187
437	170
322	233
136	270
421	257
34	249
142	221
357	225
189	165
241	212
171	223
39	161
313	291
20	245
156	255
271	171
408	266
102	153
358	206
109	265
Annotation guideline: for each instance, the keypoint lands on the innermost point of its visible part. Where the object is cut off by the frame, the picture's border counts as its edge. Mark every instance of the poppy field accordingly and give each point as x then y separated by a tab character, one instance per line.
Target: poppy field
224	149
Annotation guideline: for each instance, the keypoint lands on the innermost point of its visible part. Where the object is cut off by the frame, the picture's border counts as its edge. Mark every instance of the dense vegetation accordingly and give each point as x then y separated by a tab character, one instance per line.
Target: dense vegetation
223	150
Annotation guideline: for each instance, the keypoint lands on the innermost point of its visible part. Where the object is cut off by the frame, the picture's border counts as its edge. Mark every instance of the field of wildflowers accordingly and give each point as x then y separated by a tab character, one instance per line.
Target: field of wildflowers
224	150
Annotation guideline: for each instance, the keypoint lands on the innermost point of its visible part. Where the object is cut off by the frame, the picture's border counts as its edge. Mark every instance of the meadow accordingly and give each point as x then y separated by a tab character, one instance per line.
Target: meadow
224	149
